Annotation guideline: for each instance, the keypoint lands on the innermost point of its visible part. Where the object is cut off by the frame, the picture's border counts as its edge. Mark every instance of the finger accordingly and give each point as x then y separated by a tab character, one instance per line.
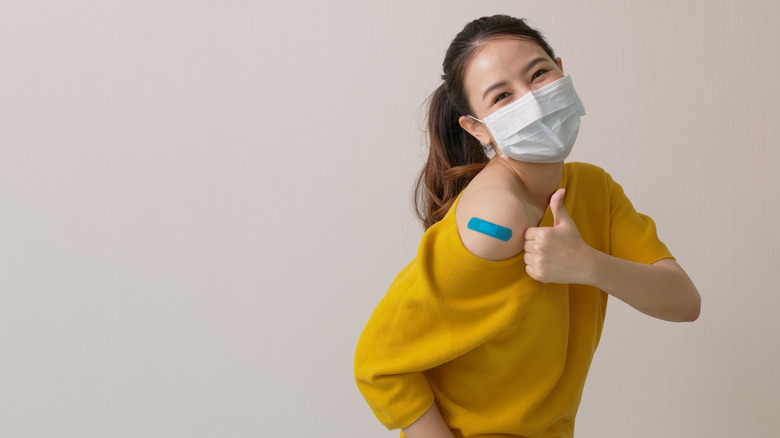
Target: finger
560	215
528	259
531	233
530	271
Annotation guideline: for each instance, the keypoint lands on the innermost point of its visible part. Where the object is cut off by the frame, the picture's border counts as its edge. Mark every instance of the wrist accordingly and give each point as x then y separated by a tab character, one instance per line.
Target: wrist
594	261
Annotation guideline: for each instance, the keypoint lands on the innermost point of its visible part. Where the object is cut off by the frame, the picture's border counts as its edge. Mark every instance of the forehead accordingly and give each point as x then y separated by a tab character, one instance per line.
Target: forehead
498	58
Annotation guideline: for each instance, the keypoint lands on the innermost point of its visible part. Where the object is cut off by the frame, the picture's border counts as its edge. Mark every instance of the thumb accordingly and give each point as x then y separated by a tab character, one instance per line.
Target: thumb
560	215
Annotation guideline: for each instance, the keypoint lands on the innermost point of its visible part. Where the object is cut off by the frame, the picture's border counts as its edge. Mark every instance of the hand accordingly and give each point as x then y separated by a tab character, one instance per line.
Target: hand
557	254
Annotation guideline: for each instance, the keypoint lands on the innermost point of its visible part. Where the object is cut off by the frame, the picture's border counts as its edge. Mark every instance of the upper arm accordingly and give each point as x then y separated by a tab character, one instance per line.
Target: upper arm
496	206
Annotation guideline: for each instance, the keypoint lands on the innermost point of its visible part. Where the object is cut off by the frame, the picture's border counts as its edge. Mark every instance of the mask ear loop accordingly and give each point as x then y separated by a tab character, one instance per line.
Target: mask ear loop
500	152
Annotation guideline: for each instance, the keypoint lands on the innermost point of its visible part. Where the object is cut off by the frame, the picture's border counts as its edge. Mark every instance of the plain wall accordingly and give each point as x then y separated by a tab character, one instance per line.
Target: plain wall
202	202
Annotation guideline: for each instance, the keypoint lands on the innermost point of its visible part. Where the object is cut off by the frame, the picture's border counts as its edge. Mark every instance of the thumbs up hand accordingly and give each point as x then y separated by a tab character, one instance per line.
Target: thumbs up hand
557	254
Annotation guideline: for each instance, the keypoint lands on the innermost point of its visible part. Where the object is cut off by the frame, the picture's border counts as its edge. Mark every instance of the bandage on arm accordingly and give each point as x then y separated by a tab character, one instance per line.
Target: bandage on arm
491	223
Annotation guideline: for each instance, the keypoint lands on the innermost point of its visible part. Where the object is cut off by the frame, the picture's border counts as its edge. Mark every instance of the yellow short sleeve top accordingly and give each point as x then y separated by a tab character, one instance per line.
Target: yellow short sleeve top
499	352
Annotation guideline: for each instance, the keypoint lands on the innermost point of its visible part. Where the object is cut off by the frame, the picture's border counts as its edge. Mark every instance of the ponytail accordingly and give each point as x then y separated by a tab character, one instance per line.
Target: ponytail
454	159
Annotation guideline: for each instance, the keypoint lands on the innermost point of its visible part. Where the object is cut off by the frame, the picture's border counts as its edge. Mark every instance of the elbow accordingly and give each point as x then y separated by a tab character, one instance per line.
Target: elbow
691	314
682	302
690	301
692	308
686	310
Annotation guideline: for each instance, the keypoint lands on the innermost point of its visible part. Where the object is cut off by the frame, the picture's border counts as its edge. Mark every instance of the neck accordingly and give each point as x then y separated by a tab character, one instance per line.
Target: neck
540	180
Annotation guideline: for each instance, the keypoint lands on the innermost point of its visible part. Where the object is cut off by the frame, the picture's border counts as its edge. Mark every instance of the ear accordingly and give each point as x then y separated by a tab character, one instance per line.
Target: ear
560	63
475	128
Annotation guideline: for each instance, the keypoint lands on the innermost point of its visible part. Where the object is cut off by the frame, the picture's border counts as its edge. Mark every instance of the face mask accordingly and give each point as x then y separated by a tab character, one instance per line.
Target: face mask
541	126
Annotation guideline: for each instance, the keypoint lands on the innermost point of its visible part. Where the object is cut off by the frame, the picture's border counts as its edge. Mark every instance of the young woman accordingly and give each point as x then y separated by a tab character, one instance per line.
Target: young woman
491	329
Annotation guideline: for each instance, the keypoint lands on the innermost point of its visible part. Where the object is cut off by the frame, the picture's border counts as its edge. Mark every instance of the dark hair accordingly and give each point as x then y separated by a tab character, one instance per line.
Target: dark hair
455	156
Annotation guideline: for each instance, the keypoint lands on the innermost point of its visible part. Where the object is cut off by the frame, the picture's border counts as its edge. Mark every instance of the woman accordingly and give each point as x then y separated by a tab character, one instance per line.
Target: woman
490	331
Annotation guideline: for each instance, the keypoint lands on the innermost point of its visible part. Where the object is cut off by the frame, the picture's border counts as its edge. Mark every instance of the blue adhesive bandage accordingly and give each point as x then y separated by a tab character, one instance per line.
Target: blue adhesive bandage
489	228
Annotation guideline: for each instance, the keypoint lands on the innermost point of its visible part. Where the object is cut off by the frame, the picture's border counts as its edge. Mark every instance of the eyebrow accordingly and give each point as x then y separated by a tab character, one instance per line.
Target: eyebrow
525	72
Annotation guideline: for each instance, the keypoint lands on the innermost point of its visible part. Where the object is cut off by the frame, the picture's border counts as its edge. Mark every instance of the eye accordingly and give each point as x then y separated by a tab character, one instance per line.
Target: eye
500	97
539	73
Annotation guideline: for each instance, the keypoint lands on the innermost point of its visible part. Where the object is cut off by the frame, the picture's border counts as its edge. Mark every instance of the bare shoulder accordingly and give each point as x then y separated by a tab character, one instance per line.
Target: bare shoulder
491	216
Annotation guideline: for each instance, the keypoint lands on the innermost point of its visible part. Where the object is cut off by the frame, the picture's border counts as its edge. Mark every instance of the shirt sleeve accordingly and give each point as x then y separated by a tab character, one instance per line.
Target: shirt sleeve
633	235
443	304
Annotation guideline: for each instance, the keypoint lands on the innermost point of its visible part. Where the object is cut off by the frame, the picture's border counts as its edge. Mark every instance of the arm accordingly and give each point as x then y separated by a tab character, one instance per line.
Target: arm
662	289
444	304
559	255
429	425
497	207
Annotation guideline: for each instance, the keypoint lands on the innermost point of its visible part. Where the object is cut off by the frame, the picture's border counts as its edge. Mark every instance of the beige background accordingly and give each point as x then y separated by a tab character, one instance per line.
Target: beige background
202	202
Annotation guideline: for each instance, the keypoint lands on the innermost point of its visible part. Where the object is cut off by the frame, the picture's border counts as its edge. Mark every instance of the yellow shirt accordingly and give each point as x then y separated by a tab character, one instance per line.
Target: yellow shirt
501	353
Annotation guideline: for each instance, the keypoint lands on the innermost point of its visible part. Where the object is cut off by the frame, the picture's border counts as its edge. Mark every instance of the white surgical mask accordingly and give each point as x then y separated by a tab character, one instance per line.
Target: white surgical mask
541	126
